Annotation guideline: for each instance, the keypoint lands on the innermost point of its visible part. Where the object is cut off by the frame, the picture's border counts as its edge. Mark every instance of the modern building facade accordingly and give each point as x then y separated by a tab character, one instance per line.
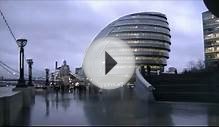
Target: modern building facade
147	34
79	71
211	39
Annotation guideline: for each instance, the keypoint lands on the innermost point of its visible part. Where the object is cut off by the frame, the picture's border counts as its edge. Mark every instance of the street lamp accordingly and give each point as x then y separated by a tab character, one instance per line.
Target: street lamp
30	63
47	76
21	43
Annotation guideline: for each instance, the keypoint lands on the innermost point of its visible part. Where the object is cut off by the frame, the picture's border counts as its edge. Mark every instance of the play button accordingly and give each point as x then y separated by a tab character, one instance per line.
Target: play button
109	63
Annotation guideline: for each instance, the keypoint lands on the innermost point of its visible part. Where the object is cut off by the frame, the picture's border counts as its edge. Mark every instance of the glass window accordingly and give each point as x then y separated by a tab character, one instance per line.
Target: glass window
141	28
217	55
149	58
210	49
160	43
152	22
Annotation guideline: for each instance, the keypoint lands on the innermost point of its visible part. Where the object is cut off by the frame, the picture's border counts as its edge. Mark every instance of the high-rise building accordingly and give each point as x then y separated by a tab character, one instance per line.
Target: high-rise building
211	39
148	35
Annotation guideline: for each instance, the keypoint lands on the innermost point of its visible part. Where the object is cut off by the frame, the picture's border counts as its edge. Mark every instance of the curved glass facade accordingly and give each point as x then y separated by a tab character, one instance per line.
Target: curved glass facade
148	35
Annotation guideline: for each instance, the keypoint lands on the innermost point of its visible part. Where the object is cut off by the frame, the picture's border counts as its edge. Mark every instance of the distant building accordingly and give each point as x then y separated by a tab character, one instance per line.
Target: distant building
62	73
80	72
172	70
64	69
211	39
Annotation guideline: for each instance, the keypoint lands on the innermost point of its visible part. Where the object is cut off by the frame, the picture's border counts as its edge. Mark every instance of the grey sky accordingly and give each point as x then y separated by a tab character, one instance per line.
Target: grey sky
62	30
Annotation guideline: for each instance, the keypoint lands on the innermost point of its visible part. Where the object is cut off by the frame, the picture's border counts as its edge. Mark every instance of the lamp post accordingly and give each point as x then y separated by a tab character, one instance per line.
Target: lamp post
30	63
21	43
143	71
47	76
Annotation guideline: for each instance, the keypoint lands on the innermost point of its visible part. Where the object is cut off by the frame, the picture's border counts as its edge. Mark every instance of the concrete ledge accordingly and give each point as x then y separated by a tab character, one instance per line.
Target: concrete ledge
10	105
12	101
28	94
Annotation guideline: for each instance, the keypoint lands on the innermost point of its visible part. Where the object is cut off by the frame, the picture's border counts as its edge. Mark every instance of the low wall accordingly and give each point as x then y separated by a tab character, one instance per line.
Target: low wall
28	95
12	101
188	87
143	89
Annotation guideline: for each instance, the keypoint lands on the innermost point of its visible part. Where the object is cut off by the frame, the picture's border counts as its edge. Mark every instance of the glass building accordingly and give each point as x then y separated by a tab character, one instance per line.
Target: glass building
211	39
148	35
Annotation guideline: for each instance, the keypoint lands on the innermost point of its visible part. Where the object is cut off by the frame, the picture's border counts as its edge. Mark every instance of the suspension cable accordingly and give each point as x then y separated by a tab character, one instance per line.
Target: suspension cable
8	66
7	69
9	28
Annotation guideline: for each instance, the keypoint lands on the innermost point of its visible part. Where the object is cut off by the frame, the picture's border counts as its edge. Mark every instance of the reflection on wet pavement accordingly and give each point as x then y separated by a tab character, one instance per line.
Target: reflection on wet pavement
115	107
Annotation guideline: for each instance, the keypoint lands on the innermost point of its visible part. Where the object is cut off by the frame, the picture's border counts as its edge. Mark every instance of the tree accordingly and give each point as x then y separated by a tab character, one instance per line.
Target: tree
194	66
200	65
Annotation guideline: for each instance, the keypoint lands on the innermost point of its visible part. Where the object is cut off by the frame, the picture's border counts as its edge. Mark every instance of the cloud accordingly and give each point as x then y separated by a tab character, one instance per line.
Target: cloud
58	30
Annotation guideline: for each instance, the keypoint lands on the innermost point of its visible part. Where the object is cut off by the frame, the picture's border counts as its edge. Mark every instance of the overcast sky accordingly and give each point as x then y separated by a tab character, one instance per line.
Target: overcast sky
60	30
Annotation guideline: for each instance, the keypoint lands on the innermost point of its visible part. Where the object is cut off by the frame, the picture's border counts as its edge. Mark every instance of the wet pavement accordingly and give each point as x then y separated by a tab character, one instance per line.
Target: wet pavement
115	107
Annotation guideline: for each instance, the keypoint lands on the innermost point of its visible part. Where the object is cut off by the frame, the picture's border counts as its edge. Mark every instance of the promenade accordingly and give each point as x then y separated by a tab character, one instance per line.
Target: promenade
116	107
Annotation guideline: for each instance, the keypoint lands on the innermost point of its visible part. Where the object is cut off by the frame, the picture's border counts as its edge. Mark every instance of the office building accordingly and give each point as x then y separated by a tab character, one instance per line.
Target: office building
211	39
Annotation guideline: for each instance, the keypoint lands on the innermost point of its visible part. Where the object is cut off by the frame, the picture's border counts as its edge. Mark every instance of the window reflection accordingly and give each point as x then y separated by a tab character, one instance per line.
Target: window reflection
141	35
211	36
141	28
148	42
144	17
119	23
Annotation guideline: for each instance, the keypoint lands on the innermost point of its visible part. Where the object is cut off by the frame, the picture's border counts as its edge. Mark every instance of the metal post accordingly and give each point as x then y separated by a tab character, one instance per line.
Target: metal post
148	70
47	76
21	43
30	63
143	71
21	81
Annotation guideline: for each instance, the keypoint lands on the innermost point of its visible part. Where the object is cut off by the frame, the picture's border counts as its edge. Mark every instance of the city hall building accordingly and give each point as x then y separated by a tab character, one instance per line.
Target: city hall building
147	34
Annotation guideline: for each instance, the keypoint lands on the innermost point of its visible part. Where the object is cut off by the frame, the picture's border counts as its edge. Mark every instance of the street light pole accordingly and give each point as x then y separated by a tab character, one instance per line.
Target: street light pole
47	77
30	63
21	43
